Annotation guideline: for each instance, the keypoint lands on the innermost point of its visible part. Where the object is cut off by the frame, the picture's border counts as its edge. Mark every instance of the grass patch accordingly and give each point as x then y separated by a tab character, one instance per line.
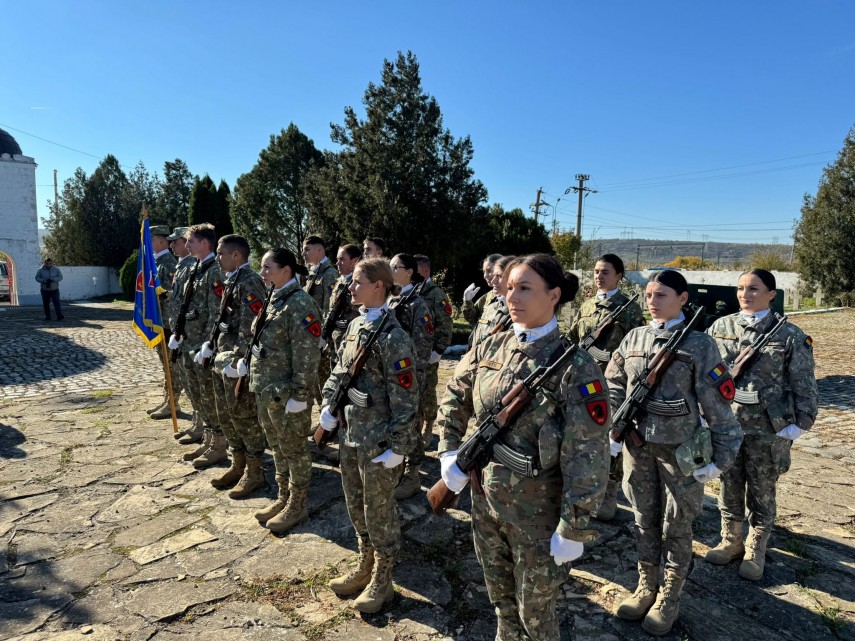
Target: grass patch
796	547
93	410
317	632
66	457
104	425
831	618
103	393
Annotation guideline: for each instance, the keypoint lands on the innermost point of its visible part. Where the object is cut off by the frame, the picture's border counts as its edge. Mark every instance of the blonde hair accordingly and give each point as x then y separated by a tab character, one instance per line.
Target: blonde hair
375	269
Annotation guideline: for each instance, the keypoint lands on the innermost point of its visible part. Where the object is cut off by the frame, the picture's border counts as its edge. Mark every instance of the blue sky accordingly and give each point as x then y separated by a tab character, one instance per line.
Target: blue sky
645	97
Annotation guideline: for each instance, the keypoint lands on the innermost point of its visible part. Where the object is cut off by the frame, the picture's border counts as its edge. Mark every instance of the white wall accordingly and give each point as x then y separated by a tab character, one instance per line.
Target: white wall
19	235
87	282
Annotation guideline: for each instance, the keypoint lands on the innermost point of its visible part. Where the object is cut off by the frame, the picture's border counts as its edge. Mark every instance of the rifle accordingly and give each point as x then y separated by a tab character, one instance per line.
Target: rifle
638	401
345	390
256	335
501	322
587	343
332	317
473	451
221	320
747	356
181	321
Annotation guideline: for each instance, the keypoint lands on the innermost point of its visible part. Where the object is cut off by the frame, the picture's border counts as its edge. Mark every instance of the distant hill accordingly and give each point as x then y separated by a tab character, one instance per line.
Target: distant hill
729	255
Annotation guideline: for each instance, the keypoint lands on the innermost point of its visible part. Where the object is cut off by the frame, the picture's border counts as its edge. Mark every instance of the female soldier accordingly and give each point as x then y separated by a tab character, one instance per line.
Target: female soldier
664	499
283	369
776	402
524	527
414	317
608	273
496	310
472	310
375	439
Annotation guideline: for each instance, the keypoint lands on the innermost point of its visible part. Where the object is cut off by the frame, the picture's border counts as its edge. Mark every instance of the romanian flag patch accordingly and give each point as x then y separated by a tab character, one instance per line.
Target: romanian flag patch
591	388
254	303
404	363
718	371
447	306
312	325
427	323
809	342
218	287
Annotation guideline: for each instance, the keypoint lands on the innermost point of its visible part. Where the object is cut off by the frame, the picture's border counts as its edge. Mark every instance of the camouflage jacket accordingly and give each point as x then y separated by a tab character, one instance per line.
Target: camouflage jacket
320	283
348	313
240	310
696	377
472	310
779	387
208	290
441	312
565	428
389	381
182	274
415	319
491	315
592	312
166	265
288	350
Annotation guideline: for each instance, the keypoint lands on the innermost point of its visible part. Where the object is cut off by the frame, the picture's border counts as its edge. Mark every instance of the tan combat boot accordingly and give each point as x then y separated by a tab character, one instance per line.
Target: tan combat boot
194	433
278	505
731	546
231	475
206	443
296	510
252	479
607	509
638	603
411	482
152	410
357	579
165	411
427	433
217	451
380	590
660	618
752	565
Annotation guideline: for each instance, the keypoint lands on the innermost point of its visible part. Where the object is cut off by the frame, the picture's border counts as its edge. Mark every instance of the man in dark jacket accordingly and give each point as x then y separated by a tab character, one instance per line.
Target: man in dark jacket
49	276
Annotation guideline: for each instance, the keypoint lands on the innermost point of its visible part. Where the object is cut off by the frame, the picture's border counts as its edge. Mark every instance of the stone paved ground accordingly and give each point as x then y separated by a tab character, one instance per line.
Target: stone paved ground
106	535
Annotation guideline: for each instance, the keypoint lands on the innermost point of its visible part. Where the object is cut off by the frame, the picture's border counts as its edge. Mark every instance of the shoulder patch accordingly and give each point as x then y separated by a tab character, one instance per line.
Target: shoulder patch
809	342
218	287
405	379
490	364
598	411
718	371
404	363
312	325
727	389
427	323
254	303
594	387
447	306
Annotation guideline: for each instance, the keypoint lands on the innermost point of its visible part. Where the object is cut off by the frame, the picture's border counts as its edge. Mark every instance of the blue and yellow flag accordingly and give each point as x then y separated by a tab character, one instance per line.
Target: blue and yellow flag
147	319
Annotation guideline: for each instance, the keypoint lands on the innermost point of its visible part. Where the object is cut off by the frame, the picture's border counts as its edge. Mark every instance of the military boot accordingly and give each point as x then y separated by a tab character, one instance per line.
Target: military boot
158	407
193	423
427	434
207	438
380	590
411	482
607	509
296	510
217	451
358	578
660	618
278	505
636	605
731	546
508	628
195	433
752	565
252	479
231	475
165	411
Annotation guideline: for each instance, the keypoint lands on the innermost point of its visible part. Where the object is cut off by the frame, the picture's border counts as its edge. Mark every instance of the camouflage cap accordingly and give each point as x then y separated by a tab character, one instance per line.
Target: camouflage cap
179	232
160	230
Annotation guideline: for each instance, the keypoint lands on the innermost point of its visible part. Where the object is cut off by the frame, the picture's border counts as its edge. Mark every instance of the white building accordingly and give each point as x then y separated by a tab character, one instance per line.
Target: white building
19	235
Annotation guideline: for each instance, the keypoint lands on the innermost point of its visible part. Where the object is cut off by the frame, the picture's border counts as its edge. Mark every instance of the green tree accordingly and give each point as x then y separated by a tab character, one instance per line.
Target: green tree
128	275
69	242
173	203
204	202
825	234
224	219
771	259
566	246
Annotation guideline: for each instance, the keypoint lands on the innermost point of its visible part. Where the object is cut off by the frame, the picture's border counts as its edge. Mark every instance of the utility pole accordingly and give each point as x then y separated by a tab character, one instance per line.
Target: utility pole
55	194
537	203
582	191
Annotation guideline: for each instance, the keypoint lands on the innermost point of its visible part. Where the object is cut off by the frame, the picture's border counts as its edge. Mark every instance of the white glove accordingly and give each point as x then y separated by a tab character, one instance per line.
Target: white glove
564	550
791	432
323	343
241	367
230	371
615	447
470	292
198	358
328	421
293	407
206	350
455	479
707	473
175	343
389	459
434	358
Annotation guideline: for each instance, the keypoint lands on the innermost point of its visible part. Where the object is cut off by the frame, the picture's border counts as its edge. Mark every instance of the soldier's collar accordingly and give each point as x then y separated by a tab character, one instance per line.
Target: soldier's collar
207	259
525	335
404	290
373	313
235	272
161	252
187	258
291	284
752	320
668	325
603	296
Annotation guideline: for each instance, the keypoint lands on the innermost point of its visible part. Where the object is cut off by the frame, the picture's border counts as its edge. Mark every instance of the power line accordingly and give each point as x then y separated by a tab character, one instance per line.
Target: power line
58	144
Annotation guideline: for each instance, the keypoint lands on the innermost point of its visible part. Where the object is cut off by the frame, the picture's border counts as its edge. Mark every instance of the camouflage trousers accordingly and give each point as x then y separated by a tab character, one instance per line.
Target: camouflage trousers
521	576
200	389
286	435
417	455
177	383
664	501
369	492
238	418
428	401
750	483
323	374
180	372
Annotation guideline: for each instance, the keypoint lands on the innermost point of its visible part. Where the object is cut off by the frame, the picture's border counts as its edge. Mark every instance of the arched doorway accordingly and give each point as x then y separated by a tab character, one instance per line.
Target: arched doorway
8	280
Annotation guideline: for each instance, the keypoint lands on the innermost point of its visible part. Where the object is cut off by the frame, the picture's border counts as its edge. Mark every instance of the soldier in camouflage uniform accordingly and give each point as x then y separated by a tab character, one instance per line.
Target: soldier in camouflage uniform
166	265
208	289
416	319
243	300
346	260
443	328
525	528
776	402
375	439
472	309
282	373
319	285
608	273
495	315
664	497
